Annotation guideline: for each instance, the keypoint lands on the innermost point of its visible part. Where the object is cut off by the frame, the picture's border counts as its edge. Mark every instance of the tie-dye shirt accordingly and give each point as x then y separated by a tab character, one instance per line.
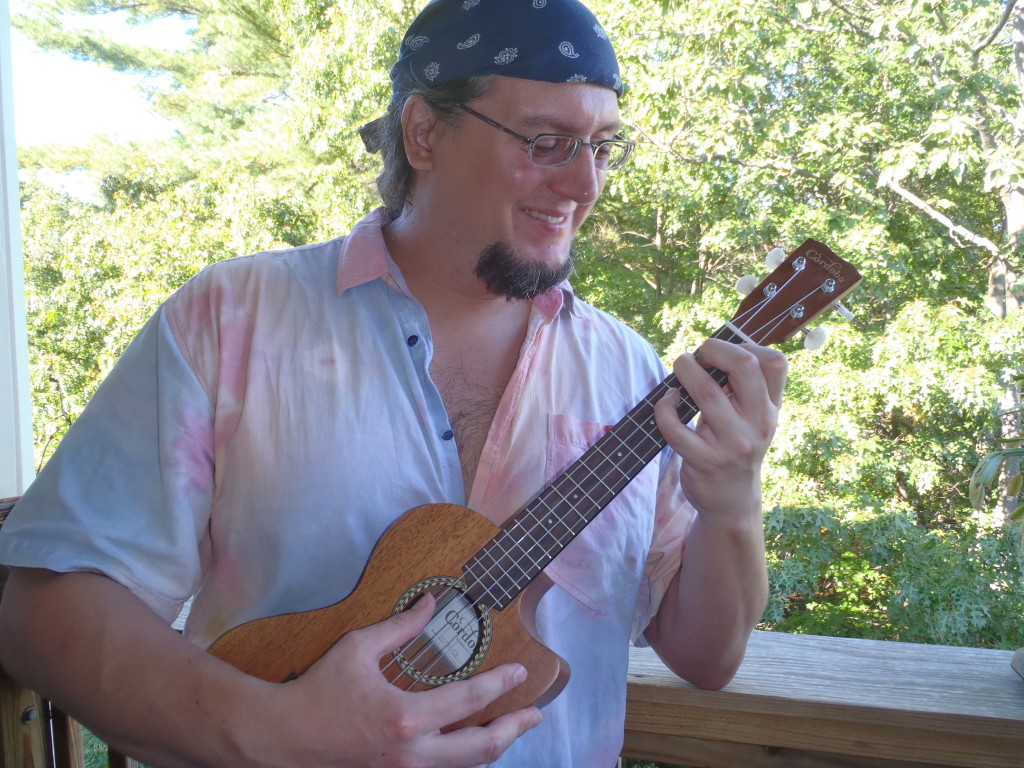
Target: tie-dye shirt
277	414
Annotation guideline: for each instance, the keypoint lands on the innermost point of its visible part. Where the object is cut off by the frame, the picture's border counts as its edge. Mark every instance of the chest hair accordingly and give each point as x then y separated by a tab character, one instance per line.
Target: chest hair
471	402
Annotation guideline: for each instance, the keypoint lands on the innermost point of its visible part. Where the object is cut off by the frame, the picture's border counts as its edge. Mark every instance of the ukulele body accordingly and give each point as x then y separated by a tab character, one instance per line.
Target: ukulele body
425	549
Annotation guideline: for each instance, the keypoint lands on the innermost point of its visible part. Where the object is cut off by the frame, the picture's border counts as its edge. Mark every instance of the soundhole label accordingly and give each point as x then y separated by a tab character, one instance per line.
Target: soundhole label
454	643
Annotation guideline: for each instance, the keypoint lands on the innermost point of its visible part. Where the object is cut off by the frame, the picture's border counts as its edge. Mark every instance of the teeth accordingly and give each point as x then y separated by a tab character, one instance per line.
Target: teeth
545	217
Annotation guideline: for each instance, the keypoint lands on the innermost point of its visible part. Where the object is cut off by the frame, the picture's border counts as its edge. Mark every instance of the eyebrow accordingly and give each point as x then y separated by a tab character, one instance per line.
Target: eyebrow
554	125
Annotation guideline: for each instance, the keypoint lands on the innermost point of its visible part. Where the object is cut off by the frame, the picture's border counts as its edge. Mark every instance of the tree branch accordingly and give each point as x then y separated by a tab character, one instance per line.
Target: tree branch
954	228
1007	13
853	14
1000	111
780	166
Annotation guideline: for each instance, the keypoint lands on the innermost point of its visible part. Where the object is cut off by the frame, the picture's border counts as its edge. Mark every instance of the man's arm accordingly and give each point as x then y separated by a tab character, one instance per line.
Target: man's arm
718	595
101	654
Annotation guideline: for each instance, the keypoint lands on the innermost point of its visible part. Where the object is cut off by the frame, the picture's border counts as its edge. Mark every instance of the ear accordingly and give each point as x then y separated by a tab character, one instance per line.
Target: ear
420	127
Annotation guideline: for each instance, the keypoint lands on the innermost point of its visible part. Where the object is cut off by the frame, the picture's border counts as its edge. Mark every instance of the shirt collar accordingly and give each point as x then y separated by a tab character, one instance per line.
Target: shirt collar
364	257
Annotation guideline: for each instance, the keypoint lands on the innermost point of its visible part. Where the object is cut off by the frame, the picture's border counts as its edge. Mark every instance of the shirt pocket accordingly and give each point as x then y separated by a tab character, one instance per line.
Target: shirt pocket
606	560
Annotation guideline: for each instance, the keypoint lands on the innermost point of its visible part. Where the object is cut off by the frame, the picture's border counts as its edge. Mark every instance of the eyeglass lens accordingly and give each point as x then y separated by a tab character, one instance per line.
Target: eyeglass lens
553	150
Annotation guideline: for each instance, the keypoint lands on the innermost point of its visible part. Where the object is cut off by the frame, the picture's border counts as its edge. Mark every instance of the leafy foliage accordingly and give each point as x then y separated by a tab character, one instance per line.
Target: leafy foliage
986	475
884	576
889	130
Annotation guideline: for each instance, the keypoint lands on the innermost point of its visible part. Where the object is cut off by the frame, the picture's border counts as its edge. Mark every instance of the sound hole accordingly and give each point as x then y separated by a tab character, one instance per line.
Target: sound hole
454	643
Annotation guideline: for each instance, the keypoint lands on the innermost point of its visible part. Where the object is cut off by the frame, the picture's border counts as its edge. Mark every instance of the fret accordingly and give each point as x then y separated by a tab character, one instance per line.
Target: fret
511	569
553	522
508	594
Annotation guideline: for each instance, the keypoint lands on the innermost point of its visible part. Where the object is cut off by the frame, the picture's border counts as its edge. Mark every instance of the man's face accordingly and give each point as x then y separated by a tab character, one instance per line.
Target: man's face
493	201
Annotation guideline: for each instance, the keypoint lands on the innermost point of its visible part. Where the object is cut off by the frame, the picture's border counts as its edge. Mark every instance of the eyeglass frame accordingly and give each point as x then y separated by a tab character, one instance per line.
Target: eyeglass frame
577	146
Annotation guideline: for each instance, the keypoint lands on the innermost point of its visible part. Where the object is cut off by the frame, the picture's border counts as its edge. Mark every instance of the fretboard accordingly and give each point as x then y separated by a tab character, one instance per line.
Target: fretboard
531	539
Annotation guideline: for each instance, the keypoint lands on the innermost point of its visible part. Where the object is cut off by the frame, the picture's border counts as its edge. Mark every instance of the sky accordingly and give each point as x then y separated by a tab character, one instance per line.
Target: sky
57	99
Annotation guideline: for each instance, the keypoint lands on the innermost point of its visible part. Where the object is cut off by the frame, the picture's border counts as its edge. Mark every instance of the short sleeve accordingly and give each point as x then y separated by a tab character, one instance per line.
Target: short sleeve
128	492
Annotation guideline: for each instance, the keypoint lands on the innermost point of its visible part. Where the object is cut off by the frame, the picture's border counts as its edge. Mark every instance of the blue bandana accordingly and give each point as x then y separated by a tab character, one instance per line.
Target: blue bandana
556	41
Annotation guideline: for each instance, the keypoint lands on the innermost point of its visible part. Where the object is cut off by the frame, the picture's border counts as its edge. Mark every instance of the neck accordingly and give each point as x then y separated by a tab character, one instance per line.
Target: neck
440	271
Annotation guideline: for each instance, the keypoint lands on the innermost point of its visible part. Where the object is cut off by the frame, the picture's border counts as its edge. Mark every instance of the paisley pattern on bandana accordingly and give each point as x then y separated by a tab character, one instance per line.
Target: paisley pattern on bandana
507	56
556	41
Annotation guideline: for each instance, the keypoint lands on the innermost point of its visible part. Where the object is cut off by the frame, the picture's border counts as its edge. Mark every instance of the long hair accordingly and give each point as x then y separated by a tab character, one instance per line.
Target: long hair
384	135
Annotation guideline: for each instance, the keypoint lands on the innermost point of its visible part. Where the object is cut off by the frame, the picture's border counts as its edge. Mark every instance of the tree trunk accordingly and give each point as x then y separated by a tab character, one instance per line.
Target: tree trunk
1010	428
1006	294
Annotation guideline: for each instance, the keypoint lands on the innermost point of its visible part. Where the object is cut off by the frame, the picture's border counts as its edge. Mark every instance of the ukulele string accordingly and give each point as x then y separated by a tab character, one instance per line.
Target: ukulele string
417	674
741	324
744	319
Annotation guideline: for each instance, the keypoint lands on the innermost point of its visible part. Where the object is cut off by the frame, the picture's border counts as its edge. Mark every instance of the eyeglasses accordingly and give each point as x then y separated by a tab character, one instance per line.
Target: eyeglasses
553	150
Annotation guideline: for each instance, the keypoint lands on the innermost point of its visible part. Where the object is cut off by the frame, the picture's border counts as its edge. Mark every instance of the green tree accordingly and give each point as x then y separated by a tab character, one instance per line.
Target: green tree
892	131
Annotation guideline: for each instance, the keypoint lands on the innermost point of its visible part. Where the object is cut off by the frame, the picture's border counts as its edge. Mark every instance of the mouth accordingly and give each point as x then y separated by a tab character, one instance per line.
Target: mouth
546	217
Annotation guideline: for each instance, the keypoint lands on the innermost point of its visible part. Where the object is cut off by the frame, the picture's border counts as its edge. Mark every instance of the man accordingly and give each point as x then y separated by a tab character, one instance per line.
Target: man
281	411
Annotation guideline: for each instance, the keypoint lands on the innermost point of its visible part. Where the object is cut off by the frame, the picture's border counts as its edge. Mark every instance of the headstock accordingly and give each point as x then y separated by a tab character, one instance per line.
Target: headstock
807	282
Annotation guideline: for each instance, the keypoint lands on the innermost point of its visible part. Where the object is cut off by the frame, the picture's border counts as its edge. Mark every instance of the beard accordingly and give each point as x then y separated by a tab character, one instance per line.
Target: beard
507	274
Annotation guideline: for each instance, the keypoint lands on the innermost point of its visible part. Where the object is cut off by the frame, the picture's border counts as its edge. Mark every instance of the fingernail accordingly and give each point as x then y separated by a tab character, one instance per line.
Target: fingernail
519	674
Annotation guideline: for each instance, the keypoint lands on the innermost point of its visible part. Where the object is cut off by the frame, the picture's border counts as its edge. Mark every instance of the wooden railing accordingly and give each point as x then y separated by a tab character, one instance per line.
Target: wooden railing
797	700
807	701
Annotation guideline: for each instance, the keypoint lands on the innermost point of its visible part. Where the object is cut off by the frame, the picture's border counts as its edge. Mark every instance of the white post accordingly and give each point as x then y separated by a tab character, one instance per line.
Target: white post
16	469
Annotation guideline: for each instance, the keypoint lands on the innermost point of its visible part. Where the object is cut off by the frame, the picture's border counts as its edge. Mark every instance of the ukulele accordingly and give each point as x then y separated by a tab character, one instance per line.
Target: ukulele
478	572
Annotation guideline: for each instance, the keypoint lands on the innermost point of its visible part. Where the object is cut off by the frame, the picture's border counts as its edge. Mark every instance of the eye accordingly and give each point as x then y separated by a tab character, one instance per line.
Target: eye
550	145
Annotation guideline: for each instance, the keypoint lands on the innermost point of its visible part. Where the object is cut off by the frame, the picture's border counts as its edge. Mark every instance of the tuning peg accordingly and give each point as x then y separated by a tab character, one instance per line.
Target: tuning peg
746	284
815	338
846	314
774	258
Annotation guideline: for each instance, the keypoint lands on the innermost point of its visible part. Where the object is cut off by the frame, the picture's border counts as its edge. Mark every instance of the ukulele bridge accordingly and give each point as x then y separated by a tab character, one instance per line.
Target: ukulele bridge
454	643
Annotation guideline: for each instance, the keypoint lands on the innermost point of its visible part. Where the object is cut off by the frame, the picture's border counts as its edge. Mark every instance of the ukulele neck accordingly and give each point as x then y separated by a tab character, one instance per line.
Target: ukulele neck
531	539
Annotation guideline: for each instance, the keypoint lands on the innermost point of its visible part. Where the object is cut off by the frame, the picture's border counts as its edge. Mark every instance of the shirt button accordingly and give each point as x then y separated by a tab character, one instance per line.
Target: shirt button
413	340
447	435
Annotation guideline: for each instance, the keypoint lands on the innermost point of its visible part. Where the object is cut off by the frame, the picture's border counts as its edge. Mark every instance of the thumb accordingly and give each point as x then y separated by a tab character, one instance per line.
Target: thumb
397	630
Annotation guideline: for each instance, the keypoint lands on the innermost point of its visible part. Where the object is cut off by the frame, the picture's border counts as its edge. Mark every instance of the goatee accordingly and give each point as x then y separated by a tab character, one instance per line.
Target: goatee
509	275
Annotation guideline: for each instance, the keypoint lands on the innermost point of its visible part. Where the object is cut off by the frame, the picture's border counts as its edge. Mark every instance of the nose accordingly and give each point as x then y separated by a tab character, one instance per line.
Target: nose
580	180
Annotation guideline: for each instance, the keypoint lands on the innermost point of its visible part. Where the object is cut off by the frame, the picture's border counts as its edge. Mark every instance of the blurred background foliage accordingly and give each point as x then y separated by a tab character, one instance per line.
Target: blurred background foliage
891	130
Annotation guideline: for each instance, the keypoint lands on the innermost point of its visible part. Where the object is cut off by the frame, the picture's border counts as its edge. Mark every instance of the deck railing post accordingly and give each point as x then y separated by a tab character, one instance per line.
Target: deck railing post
24	740
68	745
25	734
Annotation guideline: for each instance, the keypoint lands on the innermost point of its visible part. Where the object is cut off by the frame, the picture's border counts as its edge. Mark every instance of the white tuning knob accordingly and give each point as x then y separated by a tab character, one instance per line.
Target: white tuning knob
774	258
746	284
815	339
843	311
